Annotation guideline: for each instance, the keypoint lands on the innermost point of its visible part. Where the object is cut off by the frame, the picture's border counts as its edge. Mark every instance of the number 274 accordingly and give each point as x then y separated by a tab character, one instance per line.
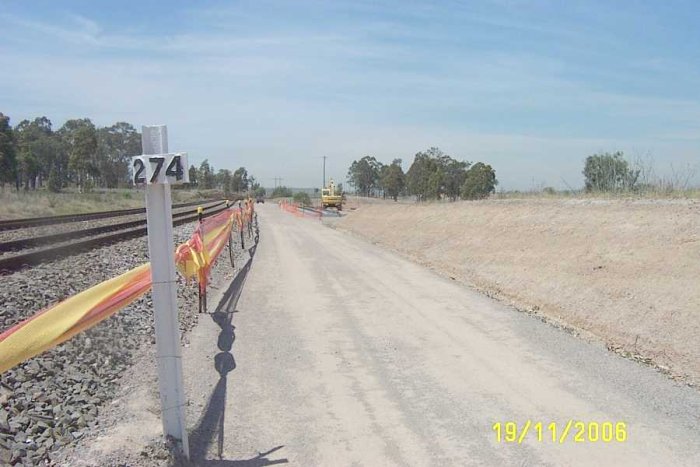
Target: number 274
174	170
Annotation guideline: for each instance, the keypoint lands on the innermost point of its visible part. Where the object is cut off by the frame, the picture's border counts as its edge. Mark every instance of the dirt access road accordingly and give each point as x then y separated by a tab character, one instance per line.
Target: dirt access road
329	350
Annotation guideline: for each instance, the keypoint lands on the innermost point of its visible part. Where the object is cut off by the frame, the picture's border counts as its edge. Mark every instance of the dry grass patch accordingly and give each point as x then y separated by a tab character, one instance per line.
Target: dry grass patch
20	204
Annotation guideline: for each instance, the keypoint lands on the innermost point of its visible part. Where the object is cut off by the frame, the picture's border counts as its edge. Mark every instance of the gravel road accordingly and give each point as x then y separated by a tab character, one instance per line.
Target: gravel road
341	353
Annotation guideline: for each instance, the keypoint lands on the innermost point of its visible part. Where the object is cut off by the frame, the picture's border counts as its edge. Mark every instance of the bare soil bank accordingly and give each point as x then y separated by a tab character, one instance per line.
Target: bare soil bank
627	272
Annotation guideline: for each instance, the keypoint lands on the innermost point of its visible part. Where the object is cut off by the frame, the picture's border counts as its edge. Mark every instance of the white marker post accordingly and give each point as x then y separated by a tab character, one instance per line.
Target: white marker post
158	170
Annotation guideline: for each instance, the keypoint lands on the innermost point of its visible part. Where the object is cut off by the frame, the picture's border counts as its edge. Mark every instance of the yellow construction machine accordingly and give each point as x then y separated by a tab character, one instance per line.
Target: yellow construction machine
330	198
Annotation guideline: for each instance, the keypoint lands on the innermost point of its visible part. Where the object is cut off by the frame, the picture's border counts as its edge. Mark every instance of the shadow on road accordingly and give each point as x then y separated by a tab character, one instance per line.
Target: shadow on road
258	461
211	423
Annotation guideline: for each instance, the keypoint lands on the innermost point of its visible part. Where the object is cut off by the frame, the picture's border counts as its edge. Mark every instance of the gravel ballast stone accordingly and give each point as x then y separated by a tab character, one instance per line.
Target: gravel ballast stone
53	400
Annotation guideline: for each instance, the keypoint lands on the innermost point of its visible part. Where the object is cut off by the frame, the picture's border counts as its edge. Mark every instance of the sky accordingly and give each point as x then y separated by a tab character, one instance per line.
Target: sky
531	87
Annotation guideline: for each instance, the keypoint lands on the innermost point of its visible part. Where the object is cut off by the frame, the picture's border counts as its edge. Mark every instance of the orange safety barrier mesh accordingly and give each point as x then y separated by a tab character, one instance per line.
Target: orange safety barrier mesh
195	257
58	323
298	210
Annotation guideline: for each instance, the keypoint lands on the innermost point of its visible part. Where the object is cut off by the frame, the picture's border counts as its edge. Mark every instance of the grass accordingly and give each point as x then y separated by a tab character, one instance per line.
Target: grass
15	205
647	193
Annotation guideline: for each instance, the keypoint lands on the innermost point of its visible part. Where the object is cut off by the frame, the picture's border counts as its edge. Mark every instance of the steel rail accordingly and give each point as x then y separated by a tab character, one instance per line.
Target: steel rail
10	264
30	242
13	224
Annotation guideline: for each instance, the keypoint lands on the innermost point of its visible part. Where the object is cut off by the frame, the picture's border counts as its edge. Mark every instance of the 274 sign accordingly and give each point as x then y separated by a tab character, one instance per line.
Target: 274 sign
160	168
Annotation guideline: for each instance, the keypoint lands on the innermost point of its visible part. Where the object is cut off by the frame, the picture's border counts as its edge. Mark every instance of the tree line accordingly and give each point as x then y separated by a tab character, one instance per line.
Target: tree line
34	155
432	175
207	178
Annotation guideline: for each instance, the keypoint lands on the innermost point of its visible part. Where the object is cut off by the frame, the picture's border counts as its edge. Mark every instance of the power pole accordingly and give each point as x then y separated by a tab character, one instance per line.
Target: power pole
324	172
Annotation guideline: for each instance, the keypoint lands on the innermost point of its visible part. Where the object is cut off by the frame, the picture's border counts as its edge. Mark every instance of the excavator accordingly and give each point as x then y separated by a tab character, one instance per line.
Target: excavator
330	198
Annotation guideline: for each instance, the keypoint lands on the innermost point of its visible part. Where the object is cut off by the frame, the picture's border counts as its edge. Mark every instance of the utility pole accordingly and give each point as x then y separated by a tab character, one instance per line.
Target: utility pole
324	172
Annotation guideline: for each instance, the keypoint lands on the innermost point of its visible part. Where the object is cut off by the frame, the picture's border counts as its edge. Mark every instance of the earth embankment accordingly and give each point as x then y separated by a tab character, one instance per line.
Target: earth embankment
623	271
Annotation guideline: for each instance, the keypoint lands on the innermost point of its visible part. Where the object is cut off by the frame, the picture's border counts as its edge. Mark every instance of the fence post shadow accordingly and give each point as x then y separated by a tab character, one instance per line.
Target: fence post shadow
211	422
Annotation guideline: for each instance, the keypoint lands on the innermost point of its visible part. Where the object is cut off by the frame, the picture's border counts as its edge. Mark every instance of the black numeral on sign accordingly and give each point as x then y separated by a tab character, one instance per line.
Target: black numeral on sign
175	169
138	171
159	161
151	170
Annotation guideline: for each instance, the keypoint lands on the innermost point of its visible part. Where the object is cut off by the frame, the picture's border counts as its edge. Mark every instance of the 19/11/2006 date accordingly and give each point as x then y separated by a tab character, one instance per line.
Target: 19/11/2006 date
574	431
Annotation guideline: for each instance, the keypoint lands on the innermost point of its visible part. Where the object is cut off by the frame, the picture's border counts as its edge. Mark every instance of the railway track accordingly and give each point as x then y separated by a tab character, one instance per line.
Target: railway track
13	224
36	241
98	236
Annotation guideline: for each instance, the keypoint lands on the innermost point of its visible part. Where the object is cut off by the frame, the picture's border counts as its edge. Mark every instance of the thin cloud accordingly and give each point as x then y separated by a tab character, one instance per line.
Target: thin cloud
82	35
346	79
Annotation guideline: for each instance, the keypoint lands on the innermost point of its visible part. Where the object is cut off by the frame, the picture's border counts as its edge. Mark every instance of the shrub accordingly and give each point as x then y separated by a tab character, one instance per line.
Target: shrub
480	182
609	172
54	182
302	198
281	192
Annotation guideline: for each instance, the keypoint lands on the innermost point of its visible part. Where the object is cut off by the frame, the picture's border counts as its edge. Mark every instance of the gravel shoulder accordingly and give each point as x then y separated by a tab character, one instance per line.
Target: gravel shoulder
129	430
63	397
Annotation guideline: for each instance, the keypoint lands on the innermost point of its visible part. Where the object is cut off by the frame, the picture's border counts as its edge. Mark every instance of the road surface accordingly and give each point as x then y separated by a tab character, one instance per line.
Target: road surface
328	350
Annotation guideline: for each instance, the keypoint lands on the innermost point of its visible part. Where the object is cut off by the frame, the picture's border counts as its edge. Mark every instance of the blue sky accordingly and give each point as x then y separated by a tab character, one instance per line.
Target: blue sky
530	86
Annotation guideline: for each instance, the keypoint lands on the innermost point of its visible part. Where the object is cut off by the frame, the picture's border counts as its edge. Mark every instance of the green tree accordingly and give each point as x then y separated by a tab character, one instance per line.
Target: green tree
454	173
116	145
80	139
418	175
48	152
422	178
393	179
193	175
54	182
8	151
434	175
253	184
435	186
39	150
239	184
609	172
27	159
260	192
479	182
364	175
205	176
223	181
302	198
